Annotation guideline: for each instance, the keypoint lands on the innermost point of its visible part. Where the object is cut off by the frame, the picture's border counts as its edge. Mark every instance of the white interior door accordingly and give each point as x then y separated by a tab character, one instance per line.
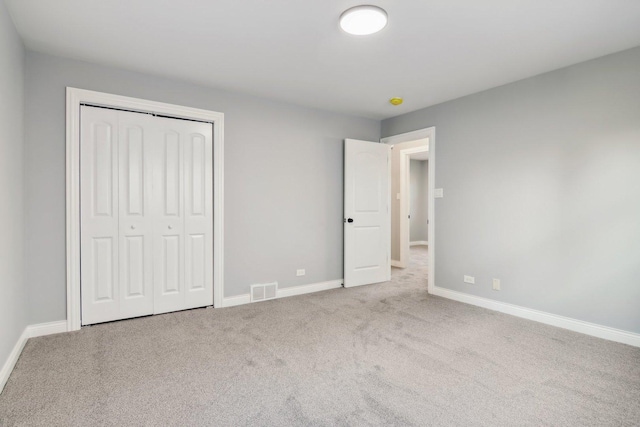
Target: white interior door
136	213
183	249
367	215
99	216
146	214
198	214
168	229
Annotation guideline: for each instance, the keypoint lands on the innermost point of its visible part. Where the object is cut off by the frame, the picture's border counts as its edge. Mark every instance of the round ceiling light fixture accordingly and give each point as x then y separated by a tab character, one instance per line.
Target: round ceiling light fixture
363	20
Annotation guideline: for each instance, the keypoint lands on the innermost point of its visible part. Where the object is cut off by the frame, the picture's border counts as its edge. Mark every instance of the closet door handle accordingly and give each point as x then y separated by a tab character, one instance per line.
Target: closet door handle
133	227
170	227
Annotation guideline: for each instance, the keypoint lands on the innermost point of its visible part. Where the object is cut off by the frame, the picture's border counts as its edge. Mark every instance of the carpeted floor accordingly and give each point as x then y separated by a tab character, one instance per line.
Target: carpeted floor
385	354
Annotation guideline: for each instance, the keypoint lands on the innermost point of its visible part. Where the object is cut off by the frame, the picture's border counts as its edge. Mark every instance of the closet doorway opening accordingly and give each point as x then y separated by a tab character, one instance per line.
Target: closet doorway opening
144	207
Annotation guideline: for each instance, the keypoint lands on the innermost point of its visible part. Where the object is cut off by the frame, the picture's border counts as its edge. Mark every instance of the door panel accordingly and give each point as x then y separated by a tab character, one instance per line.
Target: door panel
171	278
196	169
196	256
103	154
135	231
133	170
367	227
103	267
367	182
133	278
99	215
168	199
199	214
368	240
171	171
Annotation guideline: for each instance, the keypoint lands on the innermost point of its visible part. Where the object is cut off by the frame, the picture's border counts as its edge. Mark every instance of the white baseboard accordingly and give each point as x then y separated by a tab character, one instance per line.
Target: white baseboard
307	289
395	263
575	325
237	300
30	331
285	292
49	328
419	243
12	359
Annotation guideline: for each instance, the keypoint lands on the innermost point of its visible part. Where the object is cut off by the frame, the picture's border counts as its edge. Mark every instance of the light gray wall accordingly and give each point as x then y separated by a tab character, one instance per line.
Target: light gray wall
283	178
418	186
542	189
13	295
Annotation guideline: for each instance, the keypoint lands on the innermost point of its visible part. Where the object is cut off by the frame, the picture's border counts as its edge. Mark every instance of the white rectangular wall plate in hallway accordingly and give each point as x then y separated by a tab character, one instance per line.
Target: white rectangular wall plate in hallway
438	193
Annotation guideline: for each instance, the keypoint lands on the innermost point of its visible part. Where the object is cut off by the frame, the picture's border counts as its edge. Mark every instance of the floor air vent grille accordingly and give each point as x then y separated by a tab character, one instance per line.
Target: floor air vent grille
264	291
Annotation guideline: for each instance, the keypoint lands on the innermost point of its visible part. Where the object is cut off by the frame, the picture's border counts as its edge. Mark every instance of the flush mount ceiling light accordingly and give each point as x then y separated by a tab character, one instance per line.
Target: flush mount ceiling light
363	20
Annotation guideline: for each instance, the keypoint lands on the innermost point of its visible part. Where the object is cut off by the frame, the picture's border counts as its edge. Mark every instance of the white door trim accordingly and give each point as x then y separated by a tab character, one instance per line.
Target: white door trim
429	133
76	97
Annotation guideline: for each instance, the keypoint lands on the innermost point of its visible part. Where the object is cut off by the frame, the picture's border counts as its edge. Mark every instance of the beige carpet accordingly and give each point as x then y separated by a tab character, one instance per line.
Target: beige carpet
384	354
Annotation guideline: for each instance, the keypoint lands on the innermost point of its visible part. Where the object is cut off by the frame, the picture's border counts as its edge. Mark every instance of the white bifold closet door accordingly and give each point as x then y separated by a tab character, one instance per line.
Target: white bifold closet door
146	214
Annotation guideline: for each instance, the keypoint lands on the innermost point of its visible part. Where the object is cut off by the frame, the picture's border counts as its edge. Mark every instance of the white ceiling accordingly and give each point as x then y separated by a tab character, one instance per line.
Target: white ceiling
293	50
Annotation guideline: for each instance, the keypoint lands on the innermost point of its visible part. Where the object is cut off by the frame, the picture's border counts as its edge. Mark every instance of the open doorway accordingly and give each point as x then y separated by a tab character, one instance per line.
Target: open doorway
418	183
401	203
412	213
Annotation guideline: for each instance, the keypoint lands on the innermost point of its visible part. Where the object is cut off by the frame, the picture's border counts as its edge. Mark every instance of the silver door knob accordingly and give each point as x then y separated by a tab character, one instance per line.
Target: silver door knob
133	227
170	227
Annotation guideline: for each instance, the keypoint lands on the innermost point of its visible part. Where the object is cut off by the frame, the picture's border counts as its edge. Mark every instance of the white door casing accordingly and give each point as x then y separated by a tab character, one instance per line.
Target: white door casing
367	216
146	213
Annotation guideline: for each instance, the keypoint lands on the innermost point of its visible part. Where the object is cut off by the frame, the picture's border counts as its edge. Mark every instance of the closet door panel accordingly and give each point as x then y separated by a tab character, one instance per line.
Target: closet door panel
99	205
168	200
133	274
199	214
196	257
171	279
136	215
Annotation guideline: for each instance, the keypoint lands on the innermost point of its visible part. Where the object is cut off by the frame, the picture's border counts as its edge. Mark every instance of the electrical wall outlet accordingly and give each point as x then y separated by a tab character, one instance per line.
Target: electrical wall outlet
301	272
438	193
469	279
496	284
